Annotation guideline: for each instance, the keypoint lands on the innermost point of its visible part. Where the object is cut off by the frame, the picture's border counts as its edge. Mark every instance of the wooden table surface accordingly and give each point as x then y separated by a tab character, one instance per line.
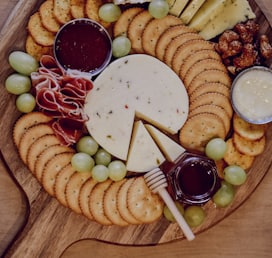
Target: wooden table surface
246	233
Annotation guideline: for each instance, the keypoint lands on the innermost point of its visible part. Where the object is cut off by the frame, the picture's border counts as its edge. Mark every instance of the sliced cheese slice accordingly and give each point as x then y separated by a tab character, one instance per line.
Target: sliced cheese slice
134	85
144	155
208	11
240	12
178	7
169	147
191	10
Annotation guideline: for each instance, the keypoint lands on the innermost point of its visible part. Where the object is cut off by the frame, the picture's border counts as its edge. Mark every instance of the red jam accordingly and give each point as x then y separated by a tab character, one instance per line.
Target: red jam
193	178
83	45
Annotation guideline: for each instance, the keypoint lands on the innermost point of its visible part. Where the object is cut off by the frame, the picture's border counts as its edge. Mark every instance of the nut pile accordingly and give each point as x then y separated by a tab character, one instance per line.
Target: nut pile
243	47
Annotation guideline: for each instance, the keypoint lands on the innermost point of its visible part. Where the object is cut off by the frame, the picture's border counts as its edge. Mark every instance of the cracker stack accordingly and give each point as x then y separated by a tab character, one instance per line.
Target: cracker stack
52	14
121	203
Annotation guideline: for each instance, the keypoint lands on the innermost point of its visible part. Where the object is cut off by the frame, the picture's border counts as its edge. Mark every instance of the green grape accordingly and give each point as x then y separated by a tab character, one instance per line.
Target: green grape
194	216
158	8
235	175
18	84
109	12
100	173
224	196
168	214
117	170
121	46
23	63
102	157
25	103
216	149
82	162
87	144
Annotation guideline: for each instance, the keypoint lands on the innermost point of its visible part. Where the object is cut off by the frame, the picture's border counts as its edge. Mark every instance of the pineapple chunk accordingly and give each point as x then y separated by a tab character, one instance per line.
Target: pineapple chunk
191	10
178	7
236	11
208	11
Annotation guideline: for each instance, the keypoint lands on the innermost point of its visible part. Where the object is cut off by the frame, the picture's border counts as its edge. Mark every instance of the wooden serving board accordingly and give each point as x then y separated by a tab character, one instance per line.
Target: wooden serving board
45	227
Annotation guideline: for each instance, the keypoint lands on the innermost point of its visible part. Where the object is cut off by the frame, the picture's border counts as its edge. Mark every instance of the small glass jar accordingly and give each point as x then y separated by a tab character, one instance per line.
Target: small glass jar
193	179
83	45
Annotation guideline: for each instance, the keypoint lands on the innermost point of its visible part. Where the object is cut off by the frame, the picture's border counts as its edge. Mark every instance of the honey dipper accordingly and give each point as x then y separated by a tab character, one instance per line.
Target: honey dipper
157	182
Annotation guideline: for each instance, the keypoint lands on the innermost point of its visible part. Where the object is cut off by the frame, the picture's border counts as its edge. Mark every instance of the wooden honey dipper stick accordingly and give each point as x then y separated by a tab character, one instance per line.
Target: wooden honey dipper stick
157	182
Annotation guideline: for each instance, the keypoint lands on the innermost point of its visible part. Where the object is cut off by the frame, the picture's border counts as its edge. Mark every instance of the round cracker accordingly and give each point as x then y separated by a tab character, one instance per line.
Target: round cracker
187	49
30	136
96	202
214	109
172	47
61	181
77	8
196	57
245	146
110	204
122	203
46	155
121	25
92	9
25	122
247	130
38	147
36	50
200	129
61	11
234	157
72	190
52	168
210	87
167	36
136	28
144	205
209	76
213	98
39	33
84	197
47	16
154	30
203	65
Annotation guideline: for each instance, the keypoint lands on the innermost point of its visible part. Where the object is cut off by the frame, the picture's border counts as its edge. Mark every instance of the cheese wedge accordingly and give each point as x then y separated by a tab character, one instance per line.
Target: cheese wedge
178	7
134	86
191	10
208	11
144	155
240	11
169	147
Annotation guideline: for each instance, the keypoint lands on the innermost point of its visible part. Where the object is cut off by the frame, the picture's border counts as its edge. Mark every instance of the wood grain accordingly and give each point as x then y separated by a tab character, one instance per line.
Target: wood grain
48	218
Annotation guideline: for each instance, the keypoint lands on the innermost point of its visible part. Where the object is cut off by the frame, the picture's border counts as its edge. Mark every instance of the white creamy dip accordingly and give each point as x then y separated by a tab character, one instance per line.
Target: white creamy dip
252	95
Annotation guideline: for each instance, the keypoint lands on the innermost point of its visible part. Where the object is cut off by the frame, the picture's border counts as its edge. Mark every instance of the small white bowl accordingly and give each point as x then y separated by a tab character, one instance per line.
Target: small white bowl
251	95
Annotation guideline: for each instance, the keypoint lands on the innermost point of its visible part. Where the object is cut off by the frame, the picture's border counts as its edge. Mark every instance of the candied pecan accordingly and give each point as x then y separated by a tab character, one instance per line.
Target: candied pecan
229	44
247	57
265	47
247	31
253	27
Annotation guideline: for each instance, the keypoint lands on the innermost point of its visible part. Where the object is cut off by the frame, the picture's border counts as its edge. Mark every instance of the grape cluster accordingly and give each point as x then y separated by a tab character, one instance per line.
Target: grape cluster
19	83
96	160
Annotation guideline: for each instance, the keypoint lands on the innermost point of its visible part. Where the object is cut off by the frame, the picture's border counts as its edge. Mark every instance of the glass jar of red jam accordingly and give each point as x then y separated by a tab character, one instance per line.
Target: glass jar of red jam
193	179
83	45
